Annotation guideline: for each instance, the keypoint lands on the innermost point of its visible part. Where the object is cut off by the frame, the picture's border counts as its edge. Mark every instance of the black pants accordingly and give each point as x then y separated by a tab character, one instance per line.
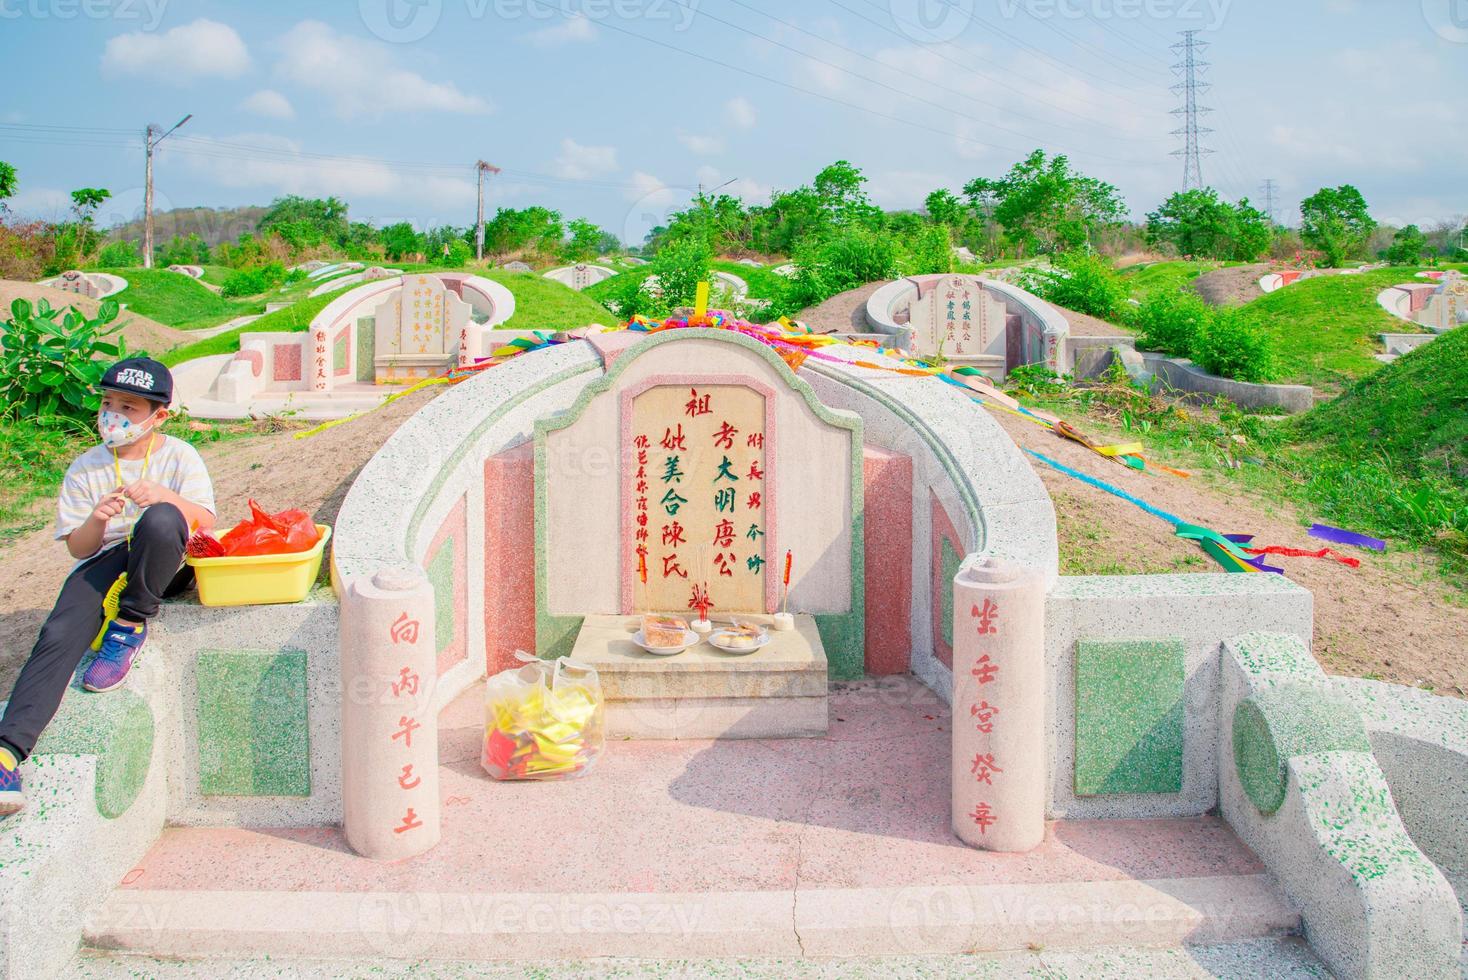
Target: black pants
151	561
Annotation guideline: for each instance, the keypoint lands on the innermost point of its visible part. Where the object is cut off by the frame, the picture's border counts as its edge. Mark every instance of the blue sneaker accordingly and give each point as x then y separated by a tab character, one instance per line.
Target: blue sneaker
120	647
11	796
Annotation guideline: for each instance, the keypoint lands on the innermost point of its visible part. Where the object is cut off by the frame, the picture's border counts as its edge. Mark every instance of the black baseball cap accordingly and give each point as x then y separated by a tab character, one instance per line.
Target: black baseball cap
140	376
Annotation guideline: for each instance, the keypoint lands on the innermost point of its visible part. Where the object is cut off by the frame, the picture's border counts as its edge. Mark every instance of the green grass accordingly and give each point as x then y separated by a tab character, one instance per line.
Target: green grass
1149	276
541	304
1325	329
176	300
763	284
292	319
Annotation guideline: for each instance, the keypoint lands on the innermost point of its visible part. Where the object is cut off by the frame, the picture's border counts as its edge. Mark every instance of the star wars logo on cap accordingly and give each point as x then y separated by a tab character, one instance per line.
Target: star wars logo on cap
135	376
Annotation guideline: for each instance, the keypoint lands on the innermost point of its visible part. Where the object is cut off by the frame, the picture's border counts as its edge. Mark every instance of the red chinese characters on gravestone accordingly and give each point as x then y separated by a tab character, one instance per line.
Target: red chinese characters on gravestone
984	766
706	473
404	630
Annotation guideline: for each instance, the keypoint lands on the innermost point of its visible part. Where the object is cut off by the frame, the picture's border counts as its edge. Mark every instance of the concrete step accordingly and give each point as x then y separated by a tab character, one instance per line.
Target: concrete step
946	919
779	691
1285	958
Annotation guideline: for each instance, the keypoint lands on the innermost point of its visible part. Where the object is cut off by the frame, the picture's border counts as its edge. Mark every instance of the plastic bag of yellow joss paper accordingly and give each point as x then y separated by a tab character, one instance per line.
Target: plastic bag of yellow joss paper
543	720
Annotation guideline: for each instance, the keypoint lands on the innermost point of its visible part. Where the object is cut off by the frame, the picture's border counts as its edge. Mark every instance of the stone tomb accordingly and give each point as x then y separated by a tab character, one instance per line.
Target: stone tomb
1447	307
956	318
419	331
723	463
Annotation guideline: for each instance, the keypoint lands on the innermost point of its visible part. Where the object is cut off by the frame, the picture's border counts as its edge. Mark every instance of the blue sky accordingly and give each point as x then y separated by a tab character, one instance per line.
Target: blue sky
618	109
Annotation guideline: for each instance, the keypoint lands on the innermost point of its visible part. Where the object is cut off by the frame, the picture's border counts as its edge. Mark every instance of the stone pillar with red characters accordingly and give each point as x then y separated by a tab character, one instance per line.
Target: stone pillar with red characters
999	785
390	801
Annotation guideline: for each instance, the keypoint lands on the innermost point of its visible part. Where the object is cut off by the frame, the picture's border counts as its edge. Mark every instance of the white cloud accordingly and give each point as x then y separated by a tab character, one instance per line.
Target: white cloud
740	112
702	145
646	185
362	78
578	27
201	49
40	202
269	103
578	162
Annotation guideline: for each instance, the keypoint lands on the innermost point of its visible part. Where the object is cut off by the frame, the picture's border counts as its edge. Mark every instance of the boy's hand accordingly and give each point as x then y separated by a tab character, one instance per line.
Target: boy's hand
109	507
146	493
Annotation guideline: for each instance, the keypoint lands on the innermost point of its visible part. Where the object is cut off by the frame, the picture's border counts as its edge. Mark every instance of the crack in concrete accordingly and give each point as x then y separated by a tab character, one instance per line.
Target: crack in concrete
800	849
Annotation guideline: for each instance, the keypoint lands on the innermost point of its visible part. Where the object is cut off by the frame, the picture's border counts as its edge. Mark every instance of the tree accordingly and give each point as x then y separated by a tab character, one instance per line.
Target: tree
1337	222
86	200
1198	223
8	184
400	241
306	222
1407	246
944	207
1044	205
583	240
839	190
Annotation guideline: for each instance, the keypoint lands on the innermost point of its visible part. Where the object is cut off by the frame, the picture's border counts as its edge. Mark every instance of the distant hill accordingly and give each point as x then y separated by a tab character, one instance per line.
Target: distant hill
214	225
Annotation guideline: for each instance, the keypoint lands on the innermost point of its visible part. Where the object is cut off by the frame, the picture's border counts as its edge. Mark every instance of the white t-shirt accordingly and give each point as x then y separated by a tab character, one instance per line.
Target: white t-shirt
174	464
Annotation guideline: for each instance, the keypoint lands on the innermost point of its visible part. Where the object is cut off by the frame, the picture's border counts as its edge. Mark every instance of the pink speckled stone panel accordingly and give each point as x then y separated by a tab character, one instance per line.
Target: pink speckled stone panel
887	480
287	362
942	530
455	529
344	341
509	556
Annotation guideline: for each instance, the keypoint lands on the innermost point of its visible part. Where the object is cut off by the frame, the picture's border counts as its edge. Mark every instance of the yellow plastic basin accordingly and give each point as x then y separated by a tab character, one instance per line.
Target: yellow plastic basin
258	580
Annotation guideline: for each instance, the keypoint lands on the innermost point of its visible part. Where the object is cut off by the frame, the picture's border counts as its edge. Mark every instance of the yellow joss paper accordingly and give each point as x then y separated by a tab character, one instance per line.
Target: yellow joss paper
543	720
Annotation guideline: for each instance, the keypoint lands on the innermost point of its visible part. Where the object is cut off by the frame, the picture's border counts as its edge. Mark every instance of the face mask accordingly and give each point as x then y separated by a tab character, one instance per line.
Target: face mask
118	430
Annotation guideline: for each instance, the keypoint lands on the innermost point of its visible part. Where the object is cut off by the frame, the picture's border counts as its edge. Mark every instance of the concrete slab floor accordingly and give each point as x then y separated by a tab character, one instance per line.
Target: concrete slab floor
866	806
1282	959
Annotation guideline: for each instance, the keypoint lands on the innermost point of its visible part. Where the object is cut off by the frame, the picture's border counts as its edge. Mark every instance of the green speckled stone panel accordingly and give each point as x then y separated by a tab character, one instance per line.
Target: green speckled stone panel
1129	716
1274	725
952	560
441	577
252	712
117	728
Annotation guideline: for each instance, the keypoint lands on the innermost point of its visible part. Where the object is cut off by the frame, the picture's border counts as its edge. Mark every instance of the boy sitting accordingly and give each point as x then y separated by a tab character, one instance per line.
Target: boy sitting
126	507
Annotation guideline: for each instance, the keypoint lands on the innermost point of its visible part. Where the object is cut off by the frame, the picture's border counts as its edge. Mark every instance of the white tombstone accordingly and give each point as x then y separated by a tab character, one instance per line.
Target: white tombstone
420	330
517	267
75	281
957	318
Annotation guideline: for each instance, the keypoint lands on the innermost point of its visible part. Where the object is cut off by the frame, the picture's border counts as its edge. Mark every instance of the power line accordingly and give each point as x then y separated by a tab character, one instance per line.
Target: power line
1190	70
830	64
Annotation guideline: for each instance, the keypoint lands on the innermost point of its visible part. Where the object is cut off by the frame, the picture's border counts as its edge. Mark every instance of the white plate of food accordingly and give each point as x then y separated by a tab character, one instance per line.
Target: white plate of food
740	639
664	636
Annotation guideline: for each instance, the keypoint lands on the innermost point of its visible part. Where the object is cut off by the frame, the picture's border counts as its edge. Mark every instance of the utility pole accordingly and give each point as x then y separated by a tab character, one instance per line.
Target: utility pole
152	136
1270	199
1190	70
482	168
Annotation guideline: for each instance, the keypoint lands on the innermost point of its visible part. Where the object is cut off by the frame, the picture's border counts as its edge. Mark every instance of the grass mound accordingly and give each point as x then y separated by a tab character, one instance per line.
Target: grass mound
544	304
1325	329
174	299
1391	453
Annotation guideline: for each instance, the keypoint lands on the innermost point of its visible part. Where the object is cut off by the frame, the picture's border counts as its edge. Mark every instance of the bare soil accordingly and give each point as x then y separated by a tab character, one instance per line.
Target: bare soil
1085	325
140	332
275	468
1394	618
844	312
1233	286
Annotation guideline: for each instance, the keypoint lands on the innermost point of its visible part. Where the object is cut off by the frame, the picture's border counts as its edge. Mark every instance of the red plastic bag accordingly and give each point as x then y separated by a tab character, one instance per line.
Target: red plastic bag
270	534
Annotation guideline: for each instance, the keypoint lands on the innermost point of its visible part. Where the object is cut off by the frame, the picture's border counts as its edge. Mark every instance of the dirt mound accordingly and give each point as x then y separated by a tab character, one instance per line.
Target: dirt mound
276	469
140	332
1233	286
1085	325
844	312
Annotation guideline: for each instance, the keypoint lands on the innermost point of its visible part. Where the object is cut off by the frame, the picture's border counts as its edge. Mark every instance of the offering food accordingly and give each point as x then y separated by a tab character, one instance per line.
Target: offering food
741	637
663	631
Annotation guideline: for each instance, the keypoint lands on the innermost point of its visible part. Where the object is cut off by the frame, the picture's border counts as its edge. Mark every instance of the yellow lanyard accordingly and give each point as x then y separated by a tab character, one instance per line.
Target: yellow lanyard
117	468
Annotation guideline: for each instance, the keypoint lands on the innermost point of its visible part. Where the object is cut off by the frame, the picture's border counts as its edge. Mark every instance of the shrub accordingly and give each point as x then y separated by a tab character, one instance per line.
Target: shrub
1082	282
1232	344
252	282
119	255
680	266
1170	320
49	371
849	258
929	250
